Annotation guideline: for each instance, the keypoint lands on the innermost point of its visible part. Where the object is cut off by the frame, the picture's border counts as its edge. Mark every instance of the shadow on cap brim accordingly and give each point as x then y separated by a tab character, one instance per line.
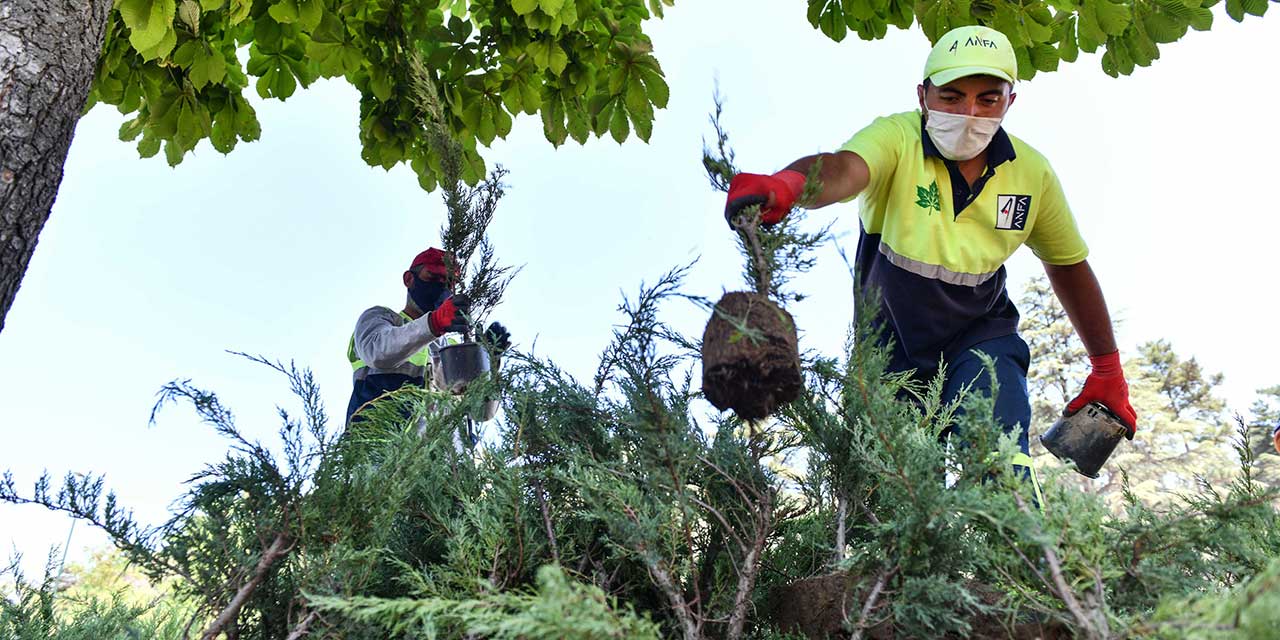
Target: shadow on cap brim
950	75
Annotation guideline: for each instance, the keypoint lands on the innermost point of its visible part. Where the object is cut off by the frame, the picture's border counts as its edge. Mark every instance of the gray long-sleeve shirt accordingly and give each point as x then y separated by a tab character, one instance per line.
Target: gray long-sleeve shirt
386	341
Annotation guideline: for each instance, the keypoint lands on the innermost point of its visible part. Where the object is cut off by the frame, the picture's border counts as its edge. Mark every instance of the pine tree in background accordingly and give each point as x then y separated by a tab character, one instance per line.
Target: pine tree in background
1264	419
1184	385
1059	362
1183	435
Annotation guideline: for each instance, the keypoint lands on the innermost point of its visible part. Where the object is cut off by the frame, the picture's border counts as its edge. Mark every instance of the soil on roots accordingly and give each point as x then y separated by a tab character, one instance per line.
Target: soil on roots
750	356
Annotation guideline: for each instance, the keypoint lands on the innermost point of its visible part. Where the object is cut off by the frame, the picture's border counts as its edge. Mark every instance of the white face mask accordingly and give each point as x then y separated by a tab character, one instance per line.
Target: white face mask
959	137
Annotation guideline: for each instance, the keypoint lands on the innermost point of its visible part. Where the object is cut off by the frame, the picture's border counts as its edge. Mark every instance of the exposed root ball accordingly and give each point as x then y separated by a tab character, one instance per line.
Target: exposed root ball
754	371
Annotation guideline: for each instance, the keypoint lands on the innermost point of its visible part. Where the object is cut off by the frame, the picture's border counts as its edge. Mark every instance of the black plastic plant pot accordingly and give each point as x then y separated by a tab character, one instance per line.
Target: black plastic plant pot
1086	437
462	363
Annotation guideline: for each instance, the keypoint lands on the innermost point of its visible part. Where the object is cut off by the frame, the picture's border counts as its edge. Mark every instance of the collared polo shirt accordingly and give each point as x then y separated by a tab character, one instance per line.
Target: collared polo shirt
934	247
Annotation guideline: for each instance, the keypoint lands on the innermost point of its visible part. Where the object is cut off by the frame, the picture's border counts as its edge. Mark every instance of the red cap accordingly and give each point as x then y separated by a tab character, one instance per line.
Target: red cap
432	259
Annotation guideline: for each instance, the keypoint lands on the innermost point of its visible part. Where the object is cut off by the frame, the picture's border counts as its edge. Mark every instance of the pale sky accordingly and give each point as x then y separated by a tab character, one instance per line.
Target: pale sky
145	274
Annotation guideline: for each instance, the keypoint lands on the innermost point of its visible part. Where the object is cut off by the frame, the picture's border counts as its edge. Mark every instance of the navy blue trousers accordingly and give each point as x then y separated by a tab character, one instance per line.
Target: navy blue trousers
1012	402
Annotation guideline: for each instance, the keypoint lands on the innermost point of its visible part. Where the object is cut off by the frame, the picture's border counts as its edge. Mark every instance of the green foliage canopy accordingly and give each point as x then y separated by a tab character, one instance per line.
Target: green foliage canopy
181	67
1044	33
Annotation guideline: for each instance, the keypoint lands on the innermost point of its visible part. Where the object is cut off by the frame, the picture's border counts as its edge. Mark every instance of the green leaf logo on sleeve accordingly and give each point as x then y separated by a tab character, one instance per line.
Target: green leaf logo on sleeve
929	199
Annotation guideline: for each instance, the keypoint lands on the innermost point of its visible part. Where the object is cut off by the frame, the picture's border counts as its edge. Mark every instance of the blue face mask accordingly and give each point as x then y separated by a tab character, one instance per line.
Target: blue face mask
427	294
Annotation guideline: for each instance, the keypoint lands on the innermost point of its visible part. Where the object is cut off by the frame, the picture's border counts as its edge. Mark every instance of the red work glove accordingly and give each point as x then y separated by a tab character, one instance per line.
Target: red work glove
1106	385
450	316
776	194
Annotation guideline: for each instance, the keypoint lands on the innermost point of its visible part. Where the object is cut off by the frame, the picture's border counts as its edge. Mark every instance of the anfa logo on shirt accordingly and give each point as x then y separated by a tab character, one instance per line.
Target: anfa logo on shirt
1011	212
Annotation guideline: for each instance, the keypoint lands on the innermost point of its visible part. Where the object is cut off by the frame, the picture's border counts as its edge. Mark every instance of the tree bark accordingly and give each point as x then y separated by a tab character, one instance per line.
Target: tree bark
226	620
749	570
303	627
684	616
48	53
842	516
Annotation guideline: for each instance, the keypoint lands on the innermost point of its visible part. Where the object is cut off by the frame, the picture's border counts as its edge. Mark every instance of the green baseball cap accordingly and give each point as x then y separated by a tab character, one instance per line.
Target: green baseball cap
971	51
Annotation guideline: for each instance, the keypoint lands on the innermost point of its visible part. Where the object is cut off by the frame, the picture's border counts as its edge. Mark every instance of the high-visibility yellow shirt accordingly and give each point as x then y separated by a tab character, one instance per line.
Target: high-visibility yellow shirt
935	246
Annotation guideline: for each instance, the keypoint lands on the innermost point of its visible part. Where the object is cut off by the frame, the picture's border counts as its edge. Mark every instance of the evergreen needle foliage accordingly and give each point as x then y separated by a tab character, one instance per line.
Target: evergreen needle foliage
774	254
28	611
469	210
558	609
617	508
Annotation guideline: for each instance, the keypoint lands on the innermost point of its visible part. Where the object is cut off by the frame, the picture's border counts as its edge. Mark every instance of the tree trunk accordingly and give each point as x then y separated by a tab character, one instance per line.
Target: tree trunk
48	53
842	516
691	626
227	619
750	569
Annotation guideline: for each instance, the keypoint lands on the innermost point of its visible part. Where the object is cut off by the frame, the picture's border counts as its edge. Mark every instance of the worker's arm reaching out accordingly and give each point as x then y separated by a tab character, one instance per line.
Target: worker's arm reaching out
382	342
1078	290
843	174
1081	297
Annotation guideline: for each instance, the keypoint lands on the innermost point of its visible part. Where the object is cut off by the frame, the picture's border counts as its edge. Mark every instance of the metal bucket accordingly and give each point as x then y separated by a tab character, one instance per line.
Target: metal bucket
462	363
1086	437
